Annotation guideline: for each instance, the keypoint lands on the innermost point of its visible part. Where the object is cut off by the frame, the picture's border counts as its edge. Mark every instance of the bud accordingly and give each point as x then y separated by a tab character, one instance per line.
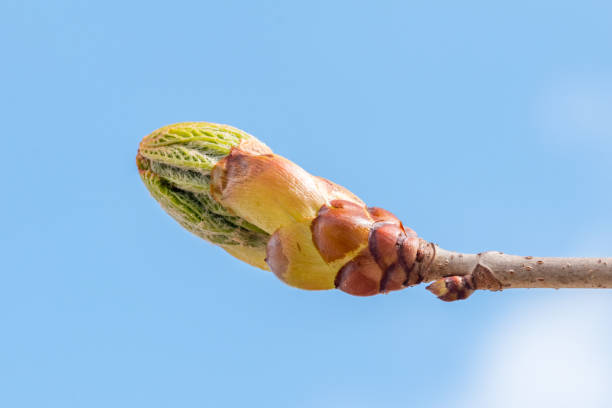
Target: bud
227	187
452	288
174	163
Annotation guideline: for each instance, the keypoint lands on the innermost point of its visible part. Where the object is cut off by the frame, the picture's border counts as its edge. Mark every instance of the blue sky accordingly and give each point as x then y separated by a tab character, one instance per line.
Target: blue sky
482	125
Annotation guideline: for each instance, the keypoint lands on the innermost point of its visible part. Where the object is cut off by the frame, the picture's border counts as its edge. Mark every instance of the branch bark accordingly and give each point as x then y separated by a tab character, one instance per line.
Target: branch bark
456	276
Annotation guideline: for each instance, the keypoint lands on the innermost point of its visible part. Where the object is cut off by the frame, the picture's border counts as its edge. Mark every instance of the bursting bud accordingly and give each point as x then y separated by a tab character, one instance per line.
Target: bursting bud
227	187
175	162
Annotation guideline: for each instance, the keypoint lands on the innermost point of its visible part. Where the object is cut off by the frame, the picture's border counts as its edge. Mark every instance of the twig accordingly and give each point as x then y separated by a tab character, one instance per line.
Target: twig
229	188
457	275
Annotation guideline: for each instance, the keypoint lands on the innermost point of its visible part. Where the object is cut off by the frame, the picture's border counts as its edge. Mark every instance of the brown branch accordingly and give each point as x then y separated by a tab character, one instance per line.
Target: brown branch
457	275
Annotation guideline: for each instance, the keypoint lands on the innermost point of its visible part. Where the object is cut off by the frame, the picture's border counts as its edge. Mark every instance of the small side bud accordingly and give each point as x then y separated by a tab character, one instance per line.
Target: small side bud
452	288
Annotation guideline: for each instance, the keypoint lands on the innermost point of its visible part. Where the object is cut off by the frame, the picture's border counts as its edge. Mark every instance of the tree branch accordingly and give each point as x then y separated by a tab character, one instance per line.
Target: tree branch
227	187
457	275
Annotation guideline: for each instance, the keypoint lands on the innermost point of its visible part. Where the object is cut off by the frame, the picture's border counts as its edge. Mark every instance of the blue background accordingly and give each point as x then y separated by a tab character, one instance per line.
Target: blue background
482	125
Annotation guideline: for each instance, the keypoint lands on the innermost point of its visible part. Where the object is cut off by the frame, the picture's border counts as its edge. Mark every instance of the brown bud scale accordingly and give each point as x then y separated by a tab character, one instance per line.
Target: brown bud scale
389	255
